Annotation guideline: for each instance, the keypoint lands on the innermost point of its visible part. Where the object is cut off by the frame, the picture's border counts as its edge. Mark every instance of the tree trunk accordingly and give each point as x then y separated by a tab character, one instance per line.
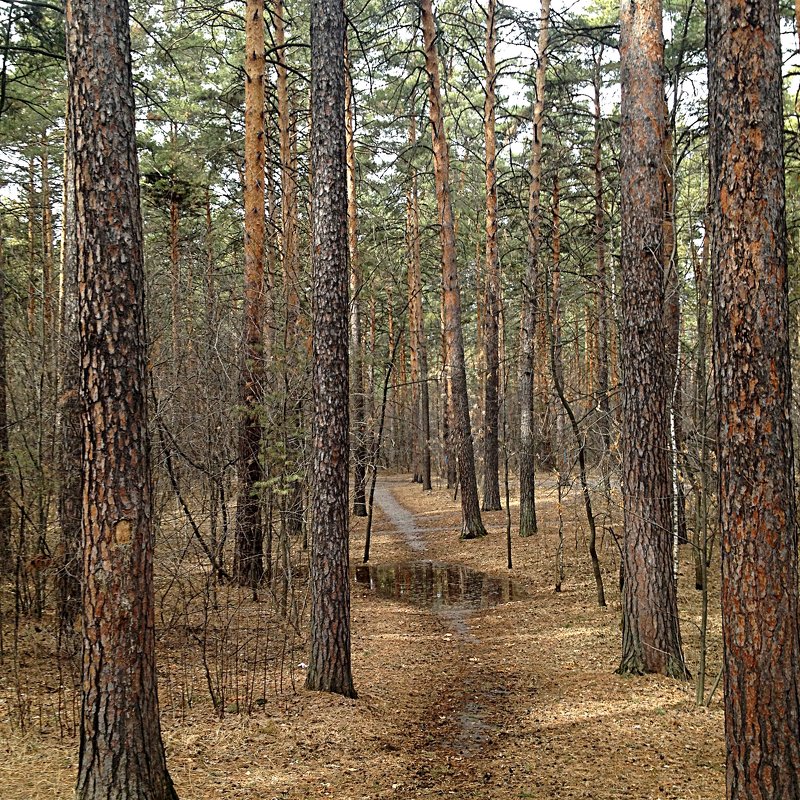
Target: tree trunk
248	565
527	442
651	640
121	752
5	479
491	426
672	330
69	490
601	275
419	350
48	260
32	204
329	662
753	385
460	429
290	261
356	352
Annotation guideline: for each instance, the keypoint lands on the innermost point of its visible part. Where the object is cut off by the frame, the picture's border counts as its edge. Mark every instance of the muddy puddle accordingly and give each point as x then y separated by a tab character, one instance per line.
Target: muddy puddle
437	586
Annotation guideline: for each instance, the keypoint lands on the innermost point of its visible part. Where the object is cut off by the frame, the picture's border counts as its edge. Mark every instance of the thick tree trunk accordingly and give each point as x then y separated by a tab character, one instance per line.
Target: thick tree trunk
248	565
121	752
460	429
329	662
491	411
651	640
419	350
69	490
356	352
758	520
527	441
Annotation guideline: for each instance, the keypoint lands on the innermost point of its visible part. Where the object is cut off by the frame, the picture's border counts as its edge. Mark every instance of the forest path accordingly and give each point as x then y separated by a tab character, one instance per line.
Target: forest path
455	726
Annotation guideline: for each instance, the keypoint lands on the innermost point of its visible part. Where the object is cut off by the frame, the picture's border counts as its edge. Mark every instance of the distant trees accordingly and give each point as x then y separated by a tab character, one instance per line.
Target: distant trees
121	752
651	640
329	662
757	507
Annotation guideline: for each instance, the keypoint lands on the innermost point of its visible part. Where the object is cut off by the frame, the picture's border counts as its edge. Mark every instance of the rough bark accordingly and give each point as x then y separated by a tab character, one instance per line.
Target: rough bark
329	662
651	640
491	321
757	510
248	565
460	429
527	441
121	752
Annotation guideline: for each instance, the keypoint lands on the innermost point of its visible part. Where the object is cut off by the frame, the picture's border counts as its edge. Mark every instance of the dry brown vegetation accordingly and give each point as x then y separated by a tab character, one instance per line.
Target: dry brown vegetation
518	701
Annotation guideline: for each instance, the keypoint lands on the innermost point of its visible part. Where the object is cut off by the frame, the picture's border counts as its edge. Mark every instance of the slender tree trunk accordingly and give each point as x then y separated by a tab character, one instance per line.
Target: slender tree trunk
290	261
651	640
175	283
700	267
329	662
449	460
121	752
48	259
672	329
419	349
758	520
601	275
491	440
527	442
356	351
559	440
5	479
32	202
248	564
471	523
69	490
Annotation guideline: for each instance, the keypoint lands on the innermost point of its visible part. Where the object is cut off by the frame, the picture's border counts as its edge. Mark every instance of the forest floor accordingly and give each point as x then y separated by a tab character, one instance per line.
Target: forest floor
519	700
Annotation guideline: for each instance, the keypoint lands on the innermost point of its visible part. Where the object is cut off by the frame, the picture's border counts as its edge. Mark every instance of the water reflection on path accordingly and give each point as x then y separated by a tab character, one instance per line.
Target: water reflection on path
436	586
